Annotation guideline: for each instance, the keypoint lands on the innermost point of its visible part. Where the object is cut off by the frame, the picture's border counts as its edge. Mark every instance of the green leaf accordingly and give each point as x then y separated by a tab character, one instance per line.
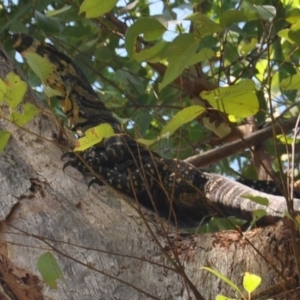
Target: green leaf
153	54
55	12
238	100
147	142
4	138
293	15
29	112
224	278
16	89
3	90
221	297
204	25
284	33
251	282
184	46
40	65
232	16
291	82
150	28
257	199
216	224
202	55
46	24
49	269
256	216
247	48
182	117
94	136
50	92
96	8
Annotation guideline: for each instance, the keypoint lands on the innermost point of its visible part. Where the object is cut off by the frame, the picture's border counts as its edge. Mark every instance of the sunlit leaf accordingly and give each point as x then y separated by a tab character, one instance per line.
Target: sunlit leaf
247	48
251	282
223	278
94	136
221	297
150	28
293	15
4	138
239	100
284	33
16	89
49	269
182	117
291	82
3	90
96	8
29	112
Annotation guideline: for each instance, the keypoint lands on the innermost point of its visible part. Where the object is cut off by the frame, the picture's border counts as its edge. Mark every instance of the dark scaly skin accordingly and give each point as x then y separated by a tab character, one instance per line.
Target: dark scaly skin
173	188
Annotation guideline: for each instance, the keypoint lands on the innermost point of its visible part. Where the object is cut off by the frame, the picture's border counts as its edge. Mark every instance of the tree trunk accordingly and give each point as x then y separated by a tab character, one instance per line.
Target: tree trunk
105	249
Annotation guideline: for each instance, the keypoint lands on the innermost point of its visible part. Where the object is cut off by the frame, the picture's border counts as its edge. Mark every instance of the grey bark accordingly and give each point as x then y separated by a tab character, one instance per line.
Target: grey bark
105	249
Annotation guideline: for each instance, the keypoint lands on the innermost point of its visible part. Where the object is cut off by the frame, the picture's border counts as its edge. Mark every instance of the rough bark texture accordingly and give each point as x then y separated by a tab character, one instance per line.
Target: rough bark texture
103	246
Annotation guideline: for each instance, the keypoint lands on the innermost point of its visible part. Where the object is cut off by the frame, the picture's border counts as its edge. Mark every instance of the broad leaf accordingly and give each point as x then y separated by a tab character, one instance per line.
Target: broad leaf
204	25
96	8
183	47
153	54
238	100
182	117
16	89
40	65
49	25
49	269
202	55
3	90
94	136
4	138
221	297
29	112
232	16
251	282
150	28
291	82
247	48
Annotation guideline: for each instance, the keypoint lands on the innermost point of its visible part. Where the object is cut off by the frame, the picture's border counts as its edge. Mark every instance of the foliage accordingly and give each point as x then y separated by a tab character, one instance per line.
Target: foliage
149	60
49	269
12	91
250	283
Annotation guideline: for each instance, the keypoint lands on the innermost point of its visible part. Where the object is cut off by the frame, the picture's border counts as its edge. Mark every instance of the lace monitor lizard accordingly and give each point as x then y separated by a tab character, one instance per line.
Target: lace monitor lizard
173	188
